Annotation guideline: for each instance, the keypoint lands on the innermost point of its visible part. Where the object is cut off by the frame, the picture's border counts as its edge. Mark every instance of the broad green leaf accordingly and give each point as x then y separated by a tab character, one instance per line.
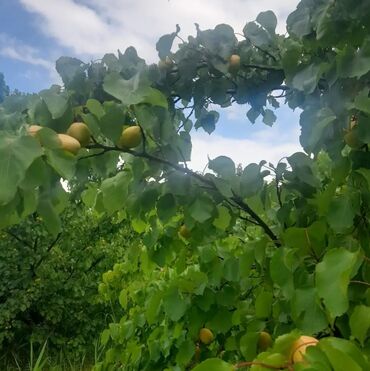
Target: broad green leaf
185	353
306	310
307	78
353	62
269	117
360	323
333	274
123	298
263	304
362	101
214	364
281	274
95	107
166	207
223	219
222	166
16	156
133	91
299	21
267	20
56	102
257	35
174	304
220	42
221	321
248	344
62	162
152	308
201	209
114	191
341	213
164	44
50	216
343	354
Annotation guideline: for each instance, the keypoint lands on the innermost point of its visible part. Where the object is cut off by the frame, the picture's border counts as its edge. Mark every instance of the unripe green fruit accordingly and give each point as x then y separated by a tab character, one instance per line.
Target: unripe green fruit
81	132
264	341
352	138
131	137
206	336
69	143
184	231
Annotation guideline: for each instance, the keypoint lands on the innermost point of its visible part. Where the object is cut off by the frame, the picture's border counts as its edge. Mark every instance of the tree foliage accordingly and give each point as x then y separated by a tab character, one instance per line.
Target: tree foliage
48	285
4	89
288	255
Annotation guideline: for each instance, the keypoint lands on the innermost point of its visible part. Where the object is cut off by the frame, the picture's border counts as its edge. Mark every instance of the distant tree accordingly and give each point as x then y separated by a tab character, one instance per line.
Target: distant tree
4	89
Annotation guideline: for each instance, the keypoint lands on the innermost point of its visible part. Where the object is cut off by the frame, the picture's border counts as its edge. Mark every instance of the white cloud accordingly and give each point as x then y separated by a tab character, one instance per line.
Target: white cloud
270	144
17	50
94	27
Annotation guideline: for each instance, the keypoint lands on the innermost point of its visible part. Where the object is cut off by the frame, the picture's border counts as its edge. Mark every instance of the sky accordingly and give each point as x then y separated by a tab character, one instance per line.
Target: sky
34	33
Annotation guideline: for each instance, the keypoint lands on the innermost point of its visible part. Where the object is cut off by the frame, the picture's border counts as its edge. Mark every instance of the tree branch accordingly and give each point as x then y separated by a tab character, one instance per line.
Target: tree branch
236	199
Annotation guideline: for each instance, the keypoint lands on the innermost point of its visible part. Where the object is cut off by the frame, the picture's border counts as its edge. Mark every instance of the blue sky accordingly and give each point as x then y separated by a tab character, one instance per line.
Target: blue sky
34	33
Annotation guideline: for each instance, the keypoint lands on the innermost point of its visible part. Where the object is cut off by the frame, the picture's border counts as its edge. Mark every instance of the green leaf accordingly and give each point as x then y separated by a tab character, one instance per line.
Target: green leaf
166	207
207	121
56	102
354	62
220	42
263	304
95	107
174	305
69	68
307	78
267	20
201	209
257	35
248	344
114	191
223	166
152	308
299	21
338	263
281	274
343	355
50	216
306	311
164	44
269	117
214	364
360	323
185	353
16	156
341	213
133	91
223	219
62	162
123	298
251	180
362	101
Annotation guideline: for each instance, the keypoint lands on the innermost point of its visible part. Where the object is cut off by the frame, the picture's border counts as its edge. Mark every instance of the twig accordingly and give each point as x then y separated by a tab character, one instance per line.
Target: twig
186	120
360	282
238	201
24	242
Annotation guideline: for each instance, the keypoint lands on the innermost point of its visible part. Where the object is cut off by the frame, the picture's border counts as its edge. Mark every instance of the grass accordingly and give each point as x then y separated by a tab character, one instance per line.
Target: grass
42	359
